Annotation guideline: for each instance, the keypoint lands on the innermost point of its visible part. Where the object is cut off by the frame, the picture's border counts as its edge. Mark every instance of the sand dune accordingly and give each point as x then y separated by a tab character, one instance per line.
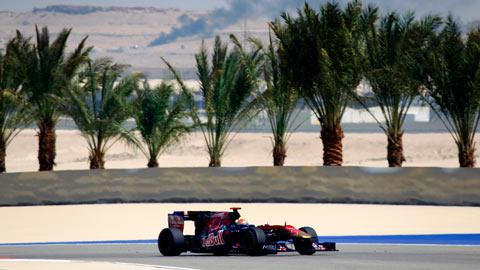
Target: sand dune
247	149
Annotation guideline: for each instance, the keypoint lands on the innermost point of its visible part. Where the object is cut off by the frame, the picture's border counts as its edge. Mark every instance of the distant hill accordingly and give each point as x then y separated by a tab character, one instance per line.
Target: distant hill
82	10
124	33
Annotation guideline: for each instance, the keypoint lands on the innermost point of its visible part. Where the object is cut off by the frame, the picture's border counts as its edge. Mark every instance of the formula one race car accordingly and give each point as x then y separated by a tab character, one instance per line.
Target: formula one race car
223	233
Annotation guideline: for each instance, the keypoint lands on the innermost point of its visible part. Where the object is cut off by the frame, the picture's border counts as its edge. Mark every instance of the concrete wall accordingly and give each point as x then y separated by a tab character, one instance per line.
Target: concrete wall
434	186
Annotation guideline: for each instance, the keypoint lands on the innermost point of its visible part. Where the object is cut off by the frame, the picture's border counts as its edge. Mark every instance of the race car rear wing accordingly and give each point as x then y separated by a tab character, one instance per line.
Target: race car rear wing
177	218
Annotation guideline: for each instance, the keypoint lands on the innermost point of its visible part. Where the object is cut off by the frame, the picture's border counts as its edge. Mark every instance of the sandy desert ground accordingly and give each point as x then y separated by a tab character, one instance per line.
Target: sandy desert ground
247	149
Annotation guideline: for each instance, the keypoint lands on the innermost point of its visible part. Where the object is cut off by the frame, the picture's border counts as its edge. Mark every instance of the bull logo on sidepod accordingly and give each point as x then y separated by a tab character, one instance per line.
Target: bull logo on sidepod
213	240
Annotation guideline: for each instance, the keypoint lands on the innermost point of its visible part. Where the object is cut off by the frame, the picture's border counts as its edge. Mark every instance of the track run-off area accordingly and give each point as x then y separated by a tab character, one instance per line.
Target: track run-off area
121	236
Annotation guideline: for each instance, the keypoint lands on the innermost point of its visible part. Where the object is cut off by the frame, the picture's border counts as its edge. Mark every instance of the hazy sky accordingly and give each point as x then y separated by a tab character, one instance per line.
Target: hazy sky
465	9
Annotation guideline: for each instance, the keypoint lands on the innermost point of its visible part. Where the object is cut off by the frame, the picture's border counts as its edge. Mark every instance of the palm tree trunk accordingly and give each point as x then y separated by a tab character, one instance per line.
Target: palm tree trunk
279	153
97	160
3	154
215	162
46	144
466	155
332	145
152	163
395	155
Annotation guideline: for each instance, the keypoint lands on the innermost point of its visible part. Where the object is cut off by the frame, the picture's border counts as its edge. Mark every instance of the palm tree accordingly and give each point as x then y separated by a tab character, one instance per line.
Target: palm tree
279	101
321	51
47	71
454	89
13	116
227	84
395	68
99	104
160	117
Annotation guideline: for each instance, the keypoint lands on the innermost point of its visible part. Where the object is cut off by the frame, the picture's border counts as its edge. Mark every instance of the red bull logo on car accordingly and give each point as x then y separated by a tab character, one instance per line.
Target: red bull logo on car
213	240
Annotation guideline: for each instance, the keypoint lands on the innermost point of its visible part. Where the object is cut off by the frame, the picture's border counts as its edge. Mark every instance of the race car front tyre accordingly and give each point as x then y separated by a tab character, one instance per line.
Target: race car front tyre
311	231
171	242
254	241
304	246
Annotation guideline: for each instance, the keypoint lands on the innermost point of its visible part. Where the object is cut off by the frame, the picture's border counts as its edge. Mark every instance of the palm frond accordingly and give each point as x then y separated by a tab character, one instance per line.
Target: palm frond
161	117
46	71
395	63
454	88
227	83
100	104
279	98
320	52
13	105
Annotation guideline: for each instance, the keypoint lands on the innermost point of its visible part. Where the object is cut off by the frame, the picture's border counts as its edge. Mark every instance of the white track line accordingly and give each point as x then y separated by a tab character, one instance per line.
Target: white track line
35	260
157	266
100	262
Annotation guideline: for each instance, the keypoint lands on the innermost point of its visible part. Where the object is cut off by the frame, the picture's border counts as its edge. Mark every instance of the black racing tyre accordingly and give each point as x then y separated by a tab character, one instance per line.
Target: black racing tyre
171	242
311	231
304	246
253	242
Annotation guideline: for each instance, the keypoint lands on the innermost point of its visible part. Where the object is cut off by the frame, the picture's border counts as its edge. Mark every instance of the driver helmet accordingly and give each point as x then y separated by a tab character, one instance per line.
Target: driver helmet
242	221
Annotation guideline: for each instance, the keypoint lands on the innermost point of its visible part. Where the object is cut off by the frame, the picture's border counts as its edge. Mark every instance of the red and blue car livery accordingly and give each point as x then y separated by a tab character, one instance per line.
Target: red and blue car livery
223	233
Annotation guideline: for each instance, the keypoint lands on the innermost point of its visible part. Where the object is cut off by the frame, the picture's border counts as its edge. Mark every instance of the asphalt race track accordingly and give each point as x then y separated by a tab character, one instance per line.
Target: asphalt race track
349	257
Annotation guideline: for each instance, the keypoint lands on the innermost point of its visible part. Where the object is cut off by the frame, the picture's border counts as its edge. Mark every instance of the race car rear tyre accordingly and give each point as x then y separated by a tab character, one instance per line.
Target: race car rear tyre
171	242
311	232
253	242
